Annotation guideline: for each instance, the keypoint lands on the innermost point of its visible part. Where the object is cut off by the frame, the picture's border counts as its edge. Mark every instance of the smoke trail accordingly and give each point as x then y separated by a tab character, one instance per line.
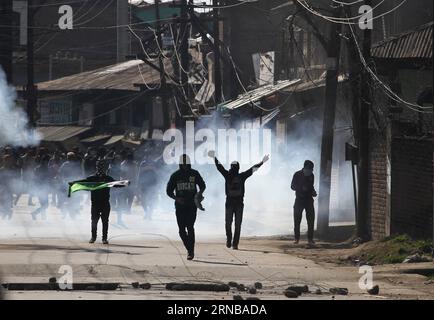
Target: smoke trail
13	120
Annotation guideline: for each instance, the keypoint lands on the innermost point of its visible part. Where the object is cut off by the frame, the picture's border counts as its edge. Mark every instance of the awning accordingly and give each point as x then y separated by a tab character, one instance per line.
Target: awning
113	140
269	116
59	134
97	138
314	84
257	94
414	44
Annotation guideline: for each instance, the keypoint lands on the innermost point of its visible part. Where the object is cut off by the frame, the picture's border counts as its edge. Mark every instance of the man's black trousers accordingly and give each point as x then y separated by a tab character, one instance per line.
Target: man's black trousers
100	210
234	208
299	206
186	217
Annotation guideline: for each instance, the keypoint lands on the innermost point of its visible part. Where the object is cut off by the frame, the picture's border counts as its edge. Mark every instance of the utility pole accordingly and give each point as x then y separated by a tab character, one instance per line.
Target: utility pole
217	65
6	42
365	105
185	60
333	54
31	90
163	82
122	35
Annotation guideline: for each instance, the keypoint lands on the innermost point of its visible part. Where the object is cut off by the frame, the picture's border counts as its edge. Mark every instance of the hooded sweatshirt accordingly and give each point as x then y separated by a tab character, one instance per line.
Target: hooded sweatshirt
183	184
235	181
303	185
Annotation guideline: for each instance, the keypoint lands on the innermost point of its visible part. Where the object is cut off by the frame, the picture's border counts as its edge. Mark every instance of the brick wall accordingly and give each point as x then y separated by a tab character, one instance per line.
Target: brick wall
412	194
377	186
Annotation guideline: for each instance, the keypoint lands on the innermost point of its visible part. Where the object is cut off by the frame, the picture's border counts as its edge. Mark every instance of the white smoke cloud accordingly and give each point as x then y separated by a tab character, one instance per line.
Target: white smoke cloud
13	120
268	199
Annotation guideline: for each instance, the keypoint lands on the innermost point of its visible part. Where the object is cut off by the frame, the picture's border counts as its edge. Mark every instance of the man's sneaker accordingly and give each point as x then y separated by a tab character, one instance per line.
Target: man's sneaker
105	241
190	256
228	244
295	241
92	240
235	247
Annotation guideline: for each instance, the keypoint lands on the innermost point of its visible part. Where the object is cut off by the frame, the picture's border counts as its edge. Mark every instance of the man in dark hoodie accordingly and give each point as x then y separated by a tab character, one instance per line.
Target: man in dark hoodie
234	188
182	187
303	185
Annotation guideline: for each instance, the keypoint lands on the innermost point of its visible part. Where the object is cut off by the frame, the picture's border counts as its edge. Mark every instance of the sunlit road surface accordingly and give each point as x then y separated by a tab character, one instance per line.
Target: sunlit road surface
150	252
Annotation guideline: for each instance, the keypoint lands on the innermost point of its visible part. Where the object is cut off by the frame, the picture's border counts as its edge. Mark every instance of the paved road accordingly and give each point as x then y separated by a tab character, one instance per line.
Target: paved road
159	262
149	252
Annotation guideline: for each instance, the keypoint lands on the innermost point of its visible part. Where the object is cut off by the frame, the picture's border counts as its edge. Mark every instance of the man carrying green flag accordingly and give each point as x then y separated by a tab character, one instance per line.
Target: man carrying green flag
99	185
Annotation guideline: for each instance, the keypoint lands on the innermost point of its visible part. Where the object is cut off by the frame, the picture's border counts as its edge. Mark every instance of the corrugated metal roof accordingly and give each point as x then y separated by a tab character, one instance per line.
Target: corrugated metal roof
314	84
257	94
121	76
415	44
59	134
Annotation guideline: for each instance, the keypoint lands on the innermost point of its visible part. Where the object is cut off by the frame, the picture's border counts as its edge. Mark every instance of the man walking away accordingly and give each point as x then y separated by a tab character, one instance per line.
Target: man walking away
303	185
182	187
234	188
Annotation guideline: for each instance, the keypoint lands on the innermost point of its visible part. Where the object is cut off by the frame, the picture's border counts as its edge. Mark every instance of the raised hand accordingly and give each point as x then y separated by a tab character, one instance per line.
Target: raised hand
266	158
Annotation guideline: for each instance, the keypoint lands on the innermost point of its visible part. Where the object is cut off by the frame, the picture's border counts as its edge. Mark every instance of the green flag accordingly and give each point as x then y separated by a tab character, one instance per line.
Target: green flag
93	186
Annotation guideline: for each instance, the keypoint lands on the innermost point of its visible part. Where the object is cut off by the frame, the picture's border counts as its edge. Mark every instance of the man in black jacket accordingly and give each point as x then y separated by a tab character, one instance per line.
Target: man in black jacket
234	188
182	187
303	185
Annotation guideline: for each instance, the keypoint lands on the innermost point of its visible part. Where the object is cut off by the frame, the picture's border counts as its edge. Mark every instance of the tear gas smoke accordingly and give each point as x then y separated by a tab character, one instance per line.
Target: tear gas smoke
13	120
268	198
